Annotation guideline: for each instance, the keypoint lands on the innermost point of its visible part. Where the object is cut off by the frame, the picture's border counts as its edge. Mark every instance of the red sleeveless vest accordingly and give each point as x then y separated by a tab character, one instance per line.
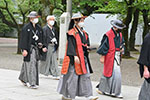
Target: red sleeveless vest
79	68
109	57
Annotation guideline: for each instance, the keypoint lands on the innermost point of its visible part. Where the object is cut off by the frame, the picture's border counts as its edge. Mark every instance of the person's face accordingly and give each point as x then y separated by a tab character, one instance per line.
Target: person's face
117	29
82	20
34	20
76	21
51	21
79	22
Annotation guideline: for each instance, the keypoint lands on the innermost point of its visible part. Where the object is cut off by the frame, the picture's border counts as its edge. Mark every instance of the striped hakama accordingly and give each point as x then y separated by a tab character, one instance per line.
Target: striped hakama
29	71
72	85
112	85
145	91
50	66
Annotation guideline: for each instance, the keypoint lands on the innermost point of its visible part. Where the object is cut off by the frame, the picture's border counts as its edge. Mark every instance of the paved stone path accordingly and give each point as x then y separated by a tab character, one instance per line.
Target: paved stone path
11	88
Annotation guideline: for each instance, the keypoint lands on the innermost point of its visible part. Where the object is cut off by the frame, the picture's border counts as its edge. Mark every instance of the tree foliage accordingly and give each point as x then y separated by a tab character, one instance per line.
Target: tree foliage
4	28
127	9
13	12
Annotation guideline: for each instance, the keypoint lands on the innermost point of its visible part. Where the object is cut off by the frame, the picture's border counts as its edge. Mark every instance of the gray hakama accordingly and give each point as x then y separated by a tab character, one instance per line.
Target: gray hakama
29	71
112	85
71	84
50	66
145	91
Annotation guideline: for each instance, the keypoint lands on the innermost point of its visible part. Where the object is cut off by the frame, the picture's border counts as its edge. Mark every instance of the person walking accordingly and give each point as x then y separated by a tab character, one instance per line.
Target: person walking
49	64
31	40
144	66
111	49
75	80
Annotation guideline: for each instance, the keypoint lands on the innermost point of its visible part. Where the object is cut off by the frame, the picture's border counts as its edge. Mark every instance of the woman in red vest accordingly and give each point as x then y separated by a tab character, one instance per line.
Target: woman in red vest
75	69
111	48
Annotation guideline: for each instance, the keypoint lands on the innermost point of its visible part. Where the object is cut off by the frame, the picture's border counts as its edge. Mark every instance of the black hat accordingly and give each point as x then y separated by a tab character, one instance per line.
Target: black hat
33	14
118	24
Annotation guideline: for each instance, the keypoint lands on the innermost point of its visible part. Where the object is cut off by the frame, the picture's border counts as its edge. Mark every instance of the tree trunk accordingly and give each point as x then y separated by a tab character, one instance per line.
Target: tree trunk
18	49
145	18
133	30
64	2
127	21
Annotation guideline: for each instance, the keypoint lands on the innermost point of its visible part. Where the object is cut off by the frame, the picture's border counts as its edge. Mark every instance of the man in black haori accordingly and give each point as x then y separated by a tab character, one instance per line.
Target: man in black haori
31	40
49	64
144	66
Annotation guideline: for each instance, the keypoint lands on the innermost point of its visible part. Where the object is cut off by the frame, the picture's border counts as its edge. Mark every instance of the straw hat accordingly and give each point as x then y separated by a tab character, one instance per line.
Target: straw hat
118	24
77	16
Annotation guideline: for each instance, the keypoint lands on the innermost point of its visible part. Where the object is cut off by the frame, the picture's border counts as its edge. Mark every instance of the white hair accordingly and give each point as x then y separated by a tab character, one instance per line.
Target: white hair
50	16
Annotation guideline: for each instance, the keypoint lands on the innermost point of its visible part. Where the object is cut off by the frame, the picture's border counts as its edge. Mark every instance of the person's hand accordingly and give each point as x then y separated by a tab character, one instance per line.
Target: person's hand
88	48
122	50
102	59
44	49
76	59
24	53
146	73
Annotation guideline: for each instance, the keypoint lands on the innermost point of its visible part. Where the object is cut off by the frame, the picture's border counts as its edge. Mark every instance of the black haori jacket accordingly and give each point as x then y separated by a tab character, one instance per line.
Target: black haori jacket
144	58
26	38
48	36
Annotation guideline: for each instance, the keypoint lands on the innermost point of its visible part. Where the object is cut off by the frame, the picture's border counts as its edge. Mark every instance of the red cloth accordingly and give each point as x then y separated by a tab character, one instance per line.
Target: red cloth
79	68
109	58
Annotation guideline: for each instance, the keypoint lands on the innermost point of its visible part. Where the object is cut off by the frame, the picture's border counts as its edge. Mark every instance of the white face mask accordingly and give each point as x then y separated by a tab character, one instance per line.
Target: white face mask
36	20
81	24
51	23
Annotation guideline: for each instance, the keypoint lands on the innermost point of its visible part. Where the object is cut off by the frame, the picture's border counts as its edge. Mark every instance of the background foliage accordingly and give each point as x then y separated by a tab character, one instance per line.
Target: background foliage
13	13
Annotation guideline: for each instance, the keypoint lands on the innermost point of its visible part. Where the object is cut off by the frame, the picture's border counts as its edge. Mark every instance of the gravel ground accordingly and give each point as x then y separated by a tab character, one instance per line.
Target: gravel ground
129	68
